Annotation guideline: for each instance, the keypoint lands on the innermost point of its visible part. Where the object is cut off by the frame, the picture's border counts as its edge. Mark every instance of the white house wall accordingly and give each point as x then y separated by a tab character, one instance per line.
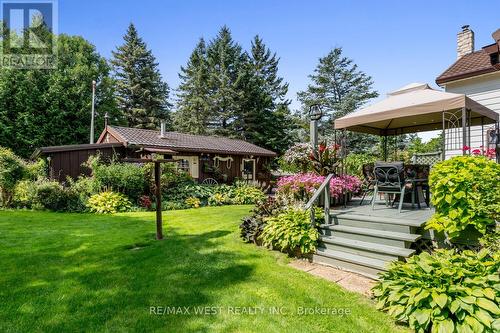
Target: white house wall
483	89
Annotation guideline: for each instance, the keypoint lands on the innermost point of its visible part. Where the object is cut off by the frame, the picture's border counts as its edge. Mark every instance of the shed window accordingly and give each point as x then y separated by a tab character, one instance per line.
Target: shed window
183	165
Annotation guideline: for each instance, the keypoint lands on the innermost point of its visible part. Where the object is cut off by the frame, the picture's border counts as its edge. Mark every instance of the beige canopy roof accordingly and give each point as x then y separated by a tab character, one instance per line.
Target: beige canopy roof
414	108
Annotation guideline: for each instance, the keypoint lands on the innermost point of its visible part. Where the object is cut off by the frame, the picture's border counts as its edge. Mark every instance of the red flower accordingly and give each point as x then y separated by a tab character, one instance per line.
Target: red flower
322	148
476	152
465	148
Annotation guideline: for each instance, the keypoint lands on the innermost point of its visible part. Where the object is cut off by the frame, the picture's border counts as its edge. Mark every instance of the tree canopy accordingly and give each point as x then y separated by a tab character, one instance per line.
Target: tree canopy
339	87
45	107
227	91
141	94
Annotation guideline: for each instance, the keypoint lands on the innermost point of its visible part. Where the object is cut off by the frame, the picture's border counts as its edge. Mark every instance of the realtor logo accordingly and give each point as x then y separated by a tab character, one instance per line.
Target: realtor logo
29	32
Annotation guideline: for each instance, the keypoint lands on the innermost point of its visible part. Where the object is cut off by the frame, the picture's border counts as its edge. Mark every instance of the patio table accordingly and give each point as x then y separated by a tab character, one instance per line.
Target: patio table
417	186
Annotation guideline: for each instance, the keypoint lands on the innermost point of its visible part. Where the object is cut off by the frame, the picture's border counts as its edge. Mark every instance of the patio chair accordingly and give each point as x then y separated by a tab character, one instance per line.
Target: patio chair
368	181
389	179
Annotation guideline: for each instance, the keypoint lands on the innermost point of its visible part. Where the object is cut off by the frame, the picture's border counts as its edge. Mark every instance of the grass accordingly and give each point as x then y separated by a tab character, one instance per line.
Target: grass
80	272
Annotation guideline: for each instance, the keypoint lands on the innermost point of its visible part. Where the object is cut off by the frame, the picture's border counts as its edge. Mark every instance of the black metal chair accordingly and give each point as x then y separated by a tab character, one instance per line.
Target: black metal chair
389	178
368	181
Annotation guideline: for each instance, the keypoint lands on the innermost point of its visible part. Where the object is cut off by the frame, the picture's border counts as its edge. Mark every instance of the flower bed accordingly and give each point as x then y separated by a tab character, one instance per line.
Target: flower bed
300	187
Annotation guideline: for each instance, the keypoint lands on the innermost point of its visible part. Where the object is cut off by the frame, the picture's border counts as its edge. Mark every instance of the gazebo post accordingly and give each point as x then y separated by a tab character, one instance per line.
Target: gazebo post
469	124
385	148
443	135
482	133
464	130
497	141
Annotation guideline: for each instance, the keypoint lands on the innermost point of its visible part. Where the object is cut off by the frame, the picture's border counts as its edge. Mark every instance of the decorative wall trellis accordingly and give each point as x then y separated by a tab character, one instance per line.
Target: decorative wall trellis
427	158
456	130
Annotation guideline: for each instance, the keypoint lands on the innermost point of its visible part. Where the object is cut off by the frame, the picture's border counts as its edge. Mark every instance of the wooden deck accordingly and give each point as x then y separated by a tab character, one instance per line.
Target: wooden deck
381	210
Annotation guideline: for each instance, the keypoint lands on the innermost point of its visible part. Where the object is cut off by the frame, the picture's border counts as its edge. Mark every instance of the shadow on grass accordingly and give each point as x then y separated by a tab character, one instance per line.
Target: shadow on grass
99	284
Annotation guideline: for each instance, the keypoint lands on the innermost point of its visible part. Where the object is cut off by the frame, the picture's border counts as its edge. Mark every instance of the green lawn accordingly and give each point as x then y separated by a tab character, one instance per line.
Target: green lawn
81	272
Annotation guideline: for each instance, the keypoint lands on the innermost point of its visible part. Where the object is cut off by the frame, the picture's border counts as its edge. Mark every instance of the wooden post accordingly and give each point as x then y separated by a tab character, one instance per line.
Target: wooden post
326	207
159	226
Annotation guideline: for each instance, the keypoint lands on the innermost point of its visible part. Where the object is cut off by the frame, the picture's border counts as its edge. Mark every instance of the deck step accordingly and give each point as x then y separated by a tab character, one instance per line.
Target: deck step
377	219
363	265
373	232
367	246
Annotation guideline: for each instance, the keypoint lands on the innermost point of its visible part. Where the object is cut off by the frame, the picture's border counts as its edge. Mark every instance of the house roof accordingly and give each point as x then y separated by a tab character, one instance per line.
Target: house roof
472	64
86	146
186	142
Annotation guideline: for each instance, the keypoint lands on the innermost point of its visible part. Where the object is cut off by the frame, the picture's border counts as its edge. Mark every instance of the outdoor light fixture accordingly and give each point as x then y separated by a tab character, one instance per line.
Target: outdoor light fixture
315	112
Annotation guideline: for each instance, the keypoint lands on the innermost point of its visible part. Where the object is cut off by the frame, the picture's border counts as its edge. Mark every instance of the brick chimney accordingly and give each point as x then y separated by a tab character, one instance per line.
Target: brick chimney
496	36
465	42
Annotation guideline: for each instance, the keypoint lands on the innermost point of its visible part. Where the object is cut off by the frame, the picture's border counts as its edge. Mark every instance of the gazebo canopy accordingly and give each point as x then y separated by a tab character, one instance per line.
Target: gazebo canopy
414	108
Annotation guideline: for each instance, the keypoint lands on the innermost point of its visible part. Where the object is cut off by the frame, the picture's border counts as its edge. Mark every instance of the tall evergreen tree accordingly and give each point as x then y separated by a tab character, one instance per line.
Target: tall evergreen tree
141	93
265	118
340	88
225	61
193	109
227	91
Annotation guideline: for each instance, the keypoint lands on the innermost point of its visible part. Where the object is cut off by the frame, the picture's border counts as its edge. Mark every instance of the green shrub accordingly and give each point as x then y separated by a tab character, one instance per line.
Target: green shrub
126	178
246	194
491	241
193	202
109	203
291	232
36	170
85	187
171	177
354	163
12	170
53	196
24	194
172	205
465	192
443	292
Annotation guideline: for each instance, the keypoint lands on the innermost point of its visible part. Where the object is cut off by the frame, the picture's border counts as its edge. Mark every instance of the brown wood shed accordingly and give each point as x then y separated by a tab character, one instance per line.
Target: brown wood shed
221	158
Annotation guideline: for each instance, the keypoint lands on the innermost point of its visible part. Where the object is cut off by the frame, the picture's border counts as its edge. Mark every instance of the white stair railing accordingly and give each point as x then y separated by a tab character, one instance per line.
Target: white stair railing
324	189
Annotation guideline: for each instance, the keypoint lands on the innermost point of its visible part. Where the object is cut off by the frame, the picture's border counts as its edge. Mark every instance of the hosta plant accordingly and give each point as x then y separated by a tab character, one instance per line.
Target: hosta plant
443	292
246	194
290	232
252	226
108	203
193	202
217	199
465	192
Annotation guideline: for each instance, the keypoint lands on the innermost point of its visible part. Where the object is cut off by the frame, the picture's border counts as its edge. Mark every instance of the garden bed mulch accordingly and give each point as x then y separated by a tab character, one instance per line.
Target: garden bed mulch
348	280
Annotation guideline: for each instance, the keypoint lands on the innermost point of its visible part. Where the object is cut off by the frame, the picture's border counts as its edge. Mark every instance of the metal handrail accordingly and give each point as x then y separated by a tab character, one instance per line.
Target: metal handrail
325	189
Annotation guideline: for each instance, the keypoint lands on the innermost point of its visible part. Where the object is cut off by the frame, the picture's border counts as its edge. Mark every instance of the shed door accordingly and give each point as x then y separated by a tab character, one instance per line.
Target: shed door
190	164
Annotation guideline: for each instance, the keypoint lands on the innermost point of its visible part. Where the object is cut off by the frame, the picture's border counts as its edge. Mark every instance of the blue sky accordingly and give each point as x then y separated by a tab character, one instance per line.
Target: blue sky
396	42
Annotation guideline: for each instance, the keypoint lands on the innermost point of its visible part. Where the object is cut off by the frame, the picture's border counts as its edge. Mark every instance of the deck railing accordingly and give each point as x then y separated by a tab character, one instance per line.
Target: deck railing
324	189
